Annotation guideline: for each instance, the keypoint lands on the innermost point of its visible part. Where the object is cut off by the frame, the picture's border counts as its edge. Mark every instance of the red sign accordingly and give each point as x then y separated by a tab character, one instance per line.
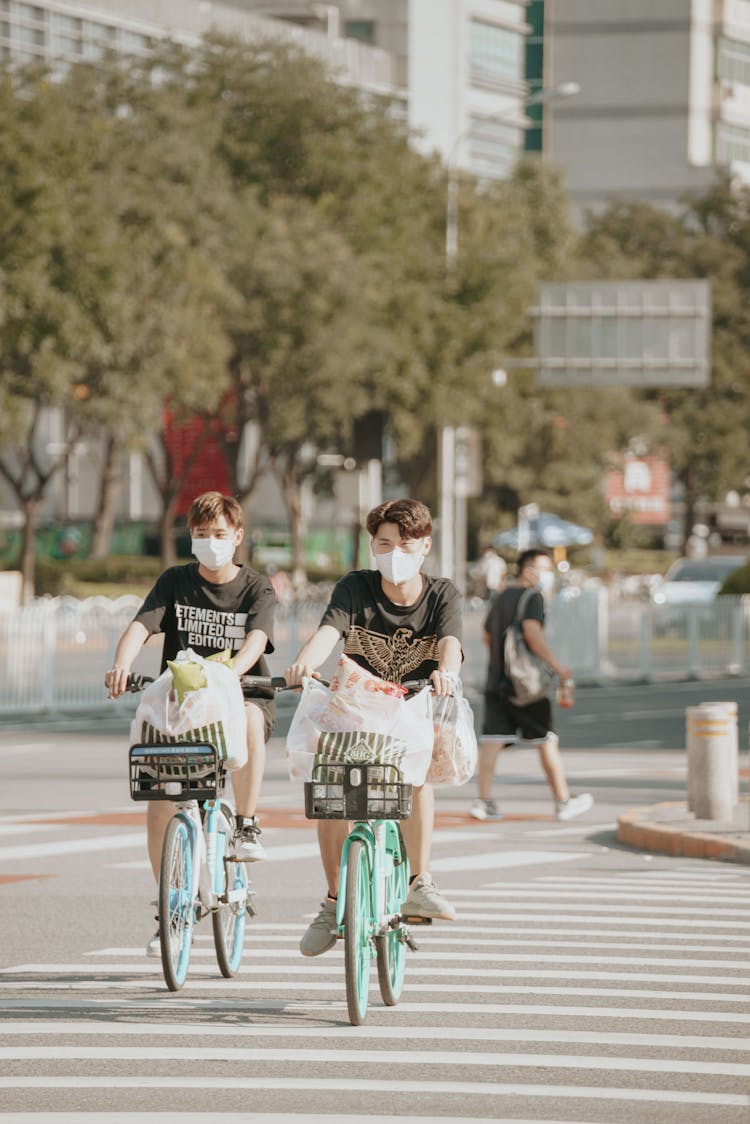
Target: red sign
208	471
640	489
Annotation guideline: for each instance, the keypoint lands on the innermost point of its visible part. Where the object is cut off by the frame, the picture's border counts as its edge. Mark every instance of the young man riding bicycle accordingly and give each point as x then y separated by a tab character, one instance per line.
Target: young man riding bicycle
399	624
210	606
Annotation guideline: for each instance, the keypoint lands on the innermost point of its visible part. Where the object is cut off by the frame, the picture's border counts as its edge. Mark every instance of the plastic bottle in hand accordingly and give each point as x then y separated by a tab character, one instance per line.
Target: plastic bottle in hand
566	693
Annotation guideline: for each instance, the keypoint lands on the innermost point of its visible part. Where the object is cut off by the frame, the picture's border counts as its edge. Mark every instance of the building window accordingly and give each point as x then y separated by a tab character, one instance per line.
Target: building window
733	63
495	54
737	14
732	143
493	146
364	30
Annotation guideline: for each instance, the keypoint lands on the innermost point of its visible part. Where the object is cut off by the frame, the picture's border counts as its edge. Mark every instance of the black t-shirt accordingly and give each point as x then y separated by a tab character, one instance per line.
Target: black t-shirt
500	615
395	642
209	617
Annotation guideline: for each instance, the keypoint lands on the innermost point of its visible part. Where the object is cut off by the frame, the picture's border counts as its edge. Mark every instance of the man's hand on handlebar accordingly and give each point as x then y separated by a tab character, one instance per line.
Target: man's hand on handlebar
443	682
116	681
297	672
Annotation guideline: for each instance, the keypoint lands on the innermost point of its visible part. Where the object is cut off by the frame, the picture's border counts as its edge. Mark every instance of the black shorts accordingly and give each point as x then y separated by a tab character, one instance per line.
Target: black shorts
268	709
506	722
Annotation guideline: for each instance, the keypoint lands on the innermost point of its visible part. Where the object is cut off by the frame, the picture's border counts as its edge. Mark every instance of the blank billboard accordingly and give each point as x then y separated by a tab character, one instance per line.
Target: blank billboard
623	333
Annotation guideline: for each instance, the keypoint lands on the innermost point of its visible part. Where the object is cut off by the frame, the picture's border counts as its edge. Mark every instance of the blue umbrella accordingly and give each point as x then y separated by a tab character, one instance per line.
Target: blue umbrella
546	530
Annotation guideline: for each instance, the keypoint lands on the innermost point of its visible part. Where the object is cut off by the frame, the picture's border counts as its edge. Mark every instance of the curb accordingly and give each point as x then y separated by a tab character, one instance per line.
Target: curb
637	828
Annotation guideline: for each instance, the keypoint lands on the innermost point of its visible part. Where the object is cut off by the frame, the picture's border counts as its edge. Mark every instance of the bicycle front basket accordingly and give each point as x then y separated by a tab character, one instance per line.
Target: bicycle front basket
175	772
344	791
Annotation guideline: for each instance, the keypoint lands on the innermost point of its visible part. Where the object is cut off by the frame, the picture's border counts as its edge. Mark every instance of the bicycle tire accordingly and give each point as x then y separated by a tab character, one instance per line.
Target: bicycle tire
390	949
176	905
228	919
357	927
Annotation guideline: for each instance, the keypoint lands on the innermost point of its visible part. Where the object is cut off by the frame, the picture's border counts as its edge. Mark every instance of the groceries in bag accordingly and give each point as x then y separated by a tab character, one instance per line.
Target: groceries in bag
454	757
360	719
195	700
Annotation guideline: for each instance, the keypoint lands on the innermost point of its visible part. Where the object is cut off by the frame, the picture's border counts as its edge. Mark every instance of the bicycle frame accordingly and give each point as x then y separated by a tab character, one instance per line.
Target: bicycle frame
203	839
375	835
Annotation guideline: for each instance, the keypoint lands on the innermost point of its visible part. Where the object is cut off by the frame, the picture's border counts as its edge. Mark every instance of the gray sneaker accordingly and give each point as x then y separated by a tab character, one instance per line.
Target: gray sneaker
153	948
246	846
322	932
574	806
425	901
485	810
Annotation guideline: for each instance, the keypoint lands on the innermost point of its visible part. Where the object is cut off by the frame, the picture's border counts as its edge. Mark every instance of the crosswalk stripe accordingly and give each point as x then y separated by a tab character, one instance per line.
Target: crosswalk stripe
500	941
462	1088
454	1033
237	1006
401	1058
435	988
581	894
27	851
154	968
483	955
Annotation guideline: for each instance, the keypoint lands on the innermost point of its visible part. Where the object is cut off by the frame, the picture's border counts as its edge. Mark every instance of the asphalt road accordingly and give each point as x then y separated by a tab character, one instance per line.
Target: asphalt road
581	982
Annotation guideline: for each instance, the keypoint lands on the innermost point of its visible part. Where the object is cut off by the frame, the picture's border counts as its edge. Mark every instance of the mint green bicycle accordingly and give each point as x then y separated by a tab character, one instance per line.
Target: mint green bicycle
374	878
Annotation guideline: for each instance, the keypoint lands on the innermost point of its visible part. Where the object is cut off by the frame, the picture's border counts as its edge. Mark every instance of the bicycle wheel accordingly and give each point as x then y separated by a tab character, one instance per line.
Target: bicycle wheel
390	949
229	880
176	908
357	926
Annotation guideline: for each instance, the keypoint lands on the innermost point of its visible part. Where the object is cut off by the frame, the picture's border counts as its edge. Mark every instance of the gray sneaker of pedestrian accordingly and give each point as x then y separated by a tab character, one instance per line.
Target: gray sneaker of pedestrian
574	806
424	900
485	810
322	933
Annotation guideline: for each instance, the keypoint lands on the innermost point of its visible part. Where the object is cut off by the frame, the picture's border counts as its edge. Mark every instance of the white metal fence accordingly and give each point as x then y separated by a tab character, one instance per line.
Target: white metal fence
53	654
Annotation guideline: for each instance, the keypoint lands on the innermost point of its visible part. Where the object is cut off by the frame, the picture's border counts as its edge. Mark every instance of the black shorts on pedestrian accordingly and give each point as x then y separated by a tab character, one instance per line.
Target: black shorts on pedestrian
507	723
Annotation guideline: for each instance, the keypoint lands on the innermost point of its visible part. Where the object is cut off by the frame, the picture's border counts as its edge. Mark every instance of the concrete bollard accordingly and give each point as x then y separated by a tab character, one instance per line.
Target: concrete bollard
712	760
730	708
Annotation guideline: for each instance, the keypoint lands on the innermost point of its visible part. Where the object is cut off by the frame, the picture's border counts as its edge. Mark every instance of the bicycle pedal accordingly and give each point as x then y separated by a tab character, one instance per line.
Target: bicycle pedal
415	919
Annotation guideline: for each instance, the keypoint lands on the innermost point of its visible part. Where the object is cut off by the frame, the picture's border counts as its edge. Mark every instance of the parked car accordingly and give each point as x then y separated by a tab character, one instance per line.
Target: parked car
695	581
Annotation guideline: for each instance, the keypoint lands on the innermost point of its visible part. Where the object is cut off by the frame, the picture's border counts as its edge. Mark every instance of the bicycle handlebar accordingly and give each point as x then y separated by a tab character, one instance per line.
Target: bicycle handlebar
274	682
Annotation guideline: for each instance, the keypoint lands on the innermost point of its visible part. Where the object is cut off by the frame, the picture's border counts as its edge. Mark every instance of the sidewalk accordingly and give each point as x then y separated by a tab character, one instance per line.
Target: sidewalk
673	830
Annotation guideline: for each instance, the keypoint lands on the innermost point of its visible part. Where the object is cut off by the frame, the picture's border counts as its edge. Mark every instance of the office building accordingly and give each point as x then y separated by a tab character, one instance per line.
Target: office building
665	95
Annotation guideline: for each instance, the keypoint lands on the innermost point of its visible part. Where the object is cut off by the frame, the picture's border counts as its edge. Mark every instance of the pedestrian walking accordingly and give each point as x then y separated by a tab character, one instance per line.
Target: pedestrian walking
491	574
505	723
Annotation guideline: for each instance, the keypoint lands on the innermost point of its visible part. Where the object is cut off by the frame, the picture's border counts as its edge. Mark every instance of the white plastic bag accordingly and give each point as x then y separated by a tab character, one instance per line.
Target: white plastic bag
361	718
214	714
454	758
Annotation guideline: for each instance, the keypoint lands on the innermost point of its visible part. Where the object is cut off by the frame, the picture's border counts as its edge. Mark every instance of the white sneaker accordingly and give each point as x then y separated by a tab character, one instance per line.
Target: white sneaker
485	810
153	948
574	806
425	900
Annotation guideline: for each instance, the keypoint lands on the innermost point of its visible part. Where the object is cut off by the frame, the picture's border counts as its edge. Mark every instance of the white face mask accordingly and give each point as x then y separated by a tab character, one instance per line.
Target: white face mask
213	553
398	566
546	581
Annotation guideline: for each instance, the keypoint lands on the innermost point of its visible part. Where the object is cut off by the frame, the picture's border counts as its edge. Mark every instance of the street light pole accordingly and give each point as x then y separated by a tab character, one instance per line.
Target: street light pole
452	521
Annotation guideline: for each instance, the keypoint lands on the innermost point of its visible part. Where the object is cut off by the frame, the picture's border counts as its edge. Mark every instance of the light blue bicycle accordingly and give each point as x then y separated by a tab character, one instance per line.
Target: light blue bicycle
198	875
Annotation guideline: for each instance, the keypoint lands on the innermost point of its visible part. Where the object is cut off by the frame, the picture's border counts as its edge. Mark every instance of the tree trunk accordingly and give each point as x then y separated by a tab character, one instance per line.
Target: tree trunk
689	484
292	490
109	495
31	507
166	532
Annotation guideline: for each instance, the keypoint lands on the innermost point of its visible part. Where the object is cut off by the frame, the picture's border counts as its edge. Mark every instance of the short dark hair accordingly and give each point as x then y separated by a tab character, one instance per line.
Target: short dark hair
412	518
529	555
209	506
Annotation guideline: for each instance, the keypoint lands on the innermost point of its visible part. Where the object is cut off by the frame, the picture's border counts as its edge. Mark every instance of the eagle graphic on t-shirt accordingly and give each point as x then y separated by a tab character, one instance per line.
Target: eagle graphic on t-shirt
391	657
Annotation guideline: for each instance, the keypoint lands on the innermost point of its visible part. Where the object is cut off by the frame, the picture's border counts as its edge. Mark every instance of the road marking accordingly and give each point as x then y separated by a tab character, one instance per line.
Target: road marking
200	984
700	899
72	846
415	969
401	1058
237	1006
422	1033
427	942
346	1084
494	859
483	955
561	913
